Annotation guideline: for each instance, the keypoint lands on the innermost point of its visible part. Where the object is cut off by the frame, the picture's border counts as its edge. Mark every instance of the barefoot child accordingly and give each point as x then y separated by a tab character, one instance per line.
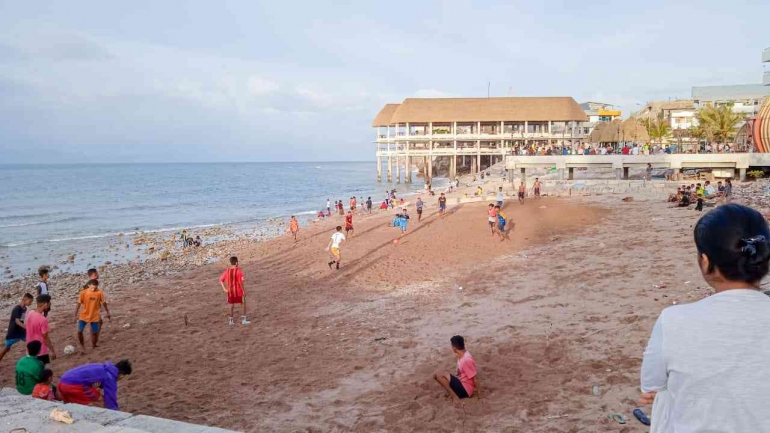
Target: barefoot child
522	192
92	299
232	284
462	385
442	205
334	246
419	204
42	287
502	221
349	223
492	217
16	330
294	227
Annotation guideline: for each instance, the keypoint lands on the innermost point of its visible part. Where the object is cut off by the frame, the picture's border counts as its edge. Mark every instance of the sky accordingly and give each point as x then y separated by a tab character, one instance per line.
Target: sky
202	81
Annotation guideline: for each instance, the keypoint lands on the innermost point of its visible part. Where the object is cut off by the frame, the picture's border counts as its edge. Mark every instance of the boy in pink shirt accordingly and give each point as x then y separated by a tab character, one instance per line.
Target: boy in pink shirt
462	385
38	330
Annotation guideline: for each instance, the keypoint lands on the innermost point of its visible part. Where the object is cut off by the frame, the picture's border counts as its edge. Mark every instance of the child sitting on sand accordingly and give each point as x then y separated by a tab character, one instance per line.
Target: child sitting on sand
462	385
45	389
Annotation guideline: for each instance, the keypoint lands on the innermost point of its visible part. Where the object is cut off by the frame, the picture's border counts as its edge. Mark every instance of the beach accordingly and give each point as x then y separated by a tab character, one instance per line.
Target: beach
565	306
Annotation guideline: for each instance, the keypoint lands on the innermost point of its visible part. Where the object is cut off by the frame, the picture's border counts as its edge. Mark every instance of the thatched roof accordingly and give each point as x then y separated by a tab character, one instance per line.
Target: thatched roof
384	116
619	130
654	108
418	110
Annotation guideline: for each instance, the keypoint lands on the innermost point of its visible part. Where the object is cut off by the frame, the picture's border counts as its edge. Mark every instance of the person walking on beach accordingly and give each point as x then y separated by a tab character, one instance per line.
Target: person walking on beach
337	239
353	203
294	227
500	196
232	284
502	222
705	366
442	205
349	223
369	204
43	287
329	207
37	328
418	204
492	218
341	208
402	221
16	331
85	384
536	187
522	192
463	384
92	299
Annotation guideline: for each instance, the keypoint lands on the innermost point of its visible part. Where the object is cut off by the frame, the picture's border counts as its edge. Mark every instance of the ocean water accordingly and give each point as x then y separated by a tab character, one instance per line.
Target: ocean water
48	212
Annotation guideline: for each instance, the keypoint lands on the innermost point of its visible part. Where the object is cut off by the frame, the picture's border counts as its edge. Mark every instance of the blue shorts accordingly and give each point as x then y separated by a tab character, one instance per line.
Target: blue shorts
500	203
94	326
442	207
12	341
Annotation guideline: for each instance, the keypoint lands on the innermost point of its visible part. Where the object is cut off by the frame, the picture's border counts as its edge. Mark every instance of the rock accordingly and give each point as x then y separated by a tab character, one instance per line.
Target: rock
108	262
71	258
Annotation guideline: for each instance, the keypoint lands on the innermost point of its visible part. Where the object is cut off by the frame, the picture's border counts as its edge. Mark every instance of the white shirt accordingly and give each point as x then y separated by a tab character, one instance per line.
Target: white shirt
712	357
635	150
500	196
328	204
710	190
43	288
337	239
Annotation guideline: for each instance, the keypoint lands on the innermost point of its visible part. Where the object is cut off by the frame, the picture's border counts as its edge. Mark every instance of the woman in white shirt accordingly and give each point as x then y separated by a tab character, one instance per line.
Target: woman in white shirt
707	364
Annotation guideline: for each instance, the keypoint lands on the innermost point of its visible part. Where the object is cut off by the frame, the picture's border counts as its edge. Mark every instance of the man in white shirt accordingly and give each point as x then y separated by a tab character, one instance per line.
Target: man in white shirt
710	190
334	246
328	207
635	150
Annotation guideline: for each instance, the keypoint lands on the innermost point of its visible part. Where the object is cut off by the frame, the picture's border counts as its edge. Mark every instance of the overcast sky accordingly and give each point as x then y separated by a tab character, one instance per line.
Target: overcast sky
157	81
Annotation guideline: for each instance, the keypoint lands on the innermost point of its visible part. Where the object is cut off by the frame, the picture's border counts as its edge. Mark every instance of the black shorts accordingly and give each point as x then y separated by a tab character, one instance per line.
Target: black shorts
45	359
521	195
457	387
347	229
419	211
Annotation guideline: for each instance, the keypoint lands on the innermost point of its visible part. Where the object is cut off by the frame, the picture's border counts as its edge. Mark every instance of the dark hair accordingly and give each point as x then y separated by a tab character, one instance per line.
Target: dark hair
124	367
44	299
92	271
93	282
34	347
736	240
458	342
339	228
233	260
28	296
46	375
42	272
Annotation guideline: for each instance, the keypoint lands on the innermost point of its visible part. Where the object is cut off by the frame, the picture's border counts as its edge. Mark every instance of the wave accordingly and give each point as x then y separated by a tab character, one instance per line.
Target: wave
39	223
33	215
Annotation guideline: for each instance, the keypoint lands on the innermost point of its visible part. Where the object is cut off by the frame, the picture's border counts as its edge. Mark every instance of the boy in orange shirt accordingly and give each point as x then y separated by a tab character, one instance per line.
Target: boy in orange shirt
294	227
92	299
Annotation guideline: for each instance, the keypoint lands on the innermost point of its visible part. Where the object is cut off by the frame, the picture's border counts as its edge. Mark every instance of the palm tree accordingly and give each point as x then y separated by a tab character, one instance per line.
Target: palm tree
657	128
718	122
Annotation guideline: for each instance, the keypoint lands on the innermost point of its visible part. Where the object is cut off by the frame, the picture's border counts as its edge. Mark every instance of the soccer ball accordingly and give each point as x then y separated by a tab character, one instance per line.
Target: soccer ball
69	350
395	241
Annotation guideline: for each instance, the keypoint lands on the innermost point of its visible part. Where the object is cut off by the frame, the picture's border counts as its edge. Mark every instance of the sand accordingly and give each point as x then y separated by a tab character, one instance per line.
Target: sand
566	305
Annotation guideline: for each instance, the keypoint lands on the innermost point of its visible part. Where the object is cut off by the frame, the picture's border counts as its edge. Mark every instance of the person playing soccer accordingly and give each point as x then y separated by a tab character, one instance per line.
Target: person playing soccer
442	205
16	330
522	192
419	204
92	299
294	227
85	384
37	328
502	222
460	386
369	204
337	239
232	284
492	217
537	187
349	223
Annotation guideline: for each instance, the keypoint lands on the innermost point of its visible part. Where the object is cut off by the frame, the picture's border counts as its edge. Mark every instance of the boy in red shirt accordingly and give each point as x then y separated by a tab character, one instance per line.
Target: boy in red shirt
349	223
462	385
232	284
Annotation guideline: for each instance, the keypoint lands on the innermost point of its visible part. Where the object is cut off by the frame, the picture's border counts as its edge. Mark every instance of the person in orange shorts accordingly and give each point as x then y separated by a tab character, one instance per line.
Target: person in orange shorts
294	227
232	284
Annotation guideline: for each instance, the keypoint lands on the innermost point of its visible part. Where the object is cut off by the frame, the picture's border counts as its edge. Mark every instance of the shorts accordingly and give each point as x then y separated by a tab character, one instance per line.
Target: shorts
521	195
442	207
500	203
352	208
335	251
537	191
78	394
94	326
348	228
419	211
492	221
12	341
45	359
457	387
501	226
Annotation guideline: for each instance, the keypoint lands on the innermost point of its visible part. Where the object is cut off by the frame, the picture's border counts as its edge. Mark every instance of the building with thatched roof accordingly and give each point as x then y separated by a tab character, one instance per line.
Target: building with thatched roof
429	128
619	131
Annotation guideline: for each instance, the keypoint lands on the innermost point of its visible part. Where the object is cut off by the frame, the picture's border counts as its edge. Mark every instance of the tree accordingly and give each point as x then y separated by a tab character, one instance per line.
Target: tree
657	128
719	122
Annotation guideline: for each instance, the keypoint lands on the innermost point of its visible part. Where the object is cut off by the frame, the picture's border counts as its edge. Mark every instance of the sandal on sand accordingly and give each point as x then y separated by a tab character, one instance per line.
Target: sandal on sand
641	417
619	417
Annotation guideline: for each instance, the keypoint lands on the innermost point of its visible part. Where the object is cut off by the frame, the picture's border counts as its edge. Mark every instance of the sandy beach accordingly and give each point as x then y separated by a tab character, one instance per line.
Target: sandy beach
567	305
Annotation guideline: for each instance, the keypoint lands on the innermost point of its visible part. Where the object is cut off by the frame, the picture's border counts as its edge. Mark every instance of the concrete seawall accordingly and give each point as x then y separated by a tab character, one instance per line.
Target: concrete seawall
23	413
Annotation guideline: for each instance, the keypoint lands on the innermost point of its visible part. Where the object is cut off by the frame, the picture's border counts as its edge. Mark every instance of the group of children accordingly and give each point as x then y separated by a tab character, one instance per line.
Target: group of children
697	193
498	221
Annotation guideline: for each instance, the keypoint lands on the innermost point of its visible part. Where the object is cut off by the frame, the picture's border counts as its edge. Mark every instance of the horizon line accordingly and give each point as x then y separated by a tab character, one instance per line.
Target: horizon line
178	162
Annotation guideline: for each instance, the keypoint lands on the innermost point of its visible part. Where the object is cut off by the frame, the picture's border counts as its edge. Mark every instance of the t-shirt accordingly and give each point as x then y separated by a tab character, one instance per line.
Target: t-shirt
15	331
442	201
710	357
710	190
419	205
337	239
37	325
294	225
466	372
233	279
500	196
369	203
91	300
28	371
43	391
492	214
42	288
349	221
328	204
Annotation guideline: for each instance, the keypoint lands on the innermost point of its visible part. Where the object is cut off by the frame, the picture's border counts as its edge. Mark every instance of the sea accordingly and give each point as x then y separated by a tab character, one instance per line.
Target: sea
49	212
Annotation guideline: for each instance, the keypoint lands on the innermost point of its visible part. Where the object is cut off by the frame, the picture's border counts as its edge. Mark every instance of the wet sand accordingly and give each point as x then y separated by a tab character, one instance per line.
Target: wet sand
566	305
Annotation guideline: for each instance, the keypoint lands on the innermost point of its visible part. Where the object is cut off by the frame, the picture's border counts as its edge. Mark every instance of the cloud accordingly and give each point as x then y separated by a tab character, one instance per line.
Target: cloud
260	86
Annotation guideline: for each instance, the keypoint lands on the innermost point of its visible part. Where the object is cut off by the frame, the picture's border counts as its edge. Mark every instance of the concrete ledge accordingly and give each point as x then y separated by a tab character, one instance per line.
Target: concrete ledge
21	411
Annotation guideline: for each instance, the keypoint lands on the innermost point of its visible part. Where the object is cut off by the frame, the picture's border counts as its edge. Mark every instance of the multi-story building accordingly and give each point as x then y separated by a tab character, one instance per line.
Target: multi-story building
471	131
600	112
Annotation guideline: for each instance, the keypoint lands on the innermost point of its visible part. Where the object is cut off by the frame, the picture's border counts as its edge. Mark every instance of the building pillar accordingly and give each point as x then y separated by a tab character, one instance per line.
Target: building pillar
390	168
561	173
618	173
407	169
407	133
473	166
625	173
478	155
524	177
570	173
430	167
743	174
549	130
478	128
398	169
379	169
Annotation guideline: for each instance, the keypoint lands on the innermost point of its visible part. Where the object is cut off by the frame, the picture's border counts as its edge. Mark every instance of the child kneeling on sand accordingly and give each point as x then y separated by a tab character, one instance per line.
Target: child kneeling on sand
460	386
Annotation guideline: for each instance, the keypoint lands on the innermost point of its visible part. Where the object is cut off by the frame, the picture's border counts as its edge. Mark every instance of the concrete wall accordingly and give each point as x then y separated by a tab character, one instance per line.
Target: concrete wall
703	160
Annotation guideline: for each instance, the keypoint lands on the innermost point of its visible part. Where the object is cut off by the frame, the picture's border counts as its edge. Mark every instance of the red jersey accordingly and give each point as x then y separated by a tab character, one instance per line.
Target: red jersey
233	279
349	221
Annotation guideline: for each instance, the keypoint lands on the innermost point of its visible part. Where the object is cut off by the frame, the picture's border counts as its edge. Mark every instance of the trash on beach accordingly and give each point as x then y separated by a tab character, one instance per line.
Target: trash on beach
641	417
687	282
619	417
542	207
627	199
62	416
128	325
596	390
380	338
460	288
601	245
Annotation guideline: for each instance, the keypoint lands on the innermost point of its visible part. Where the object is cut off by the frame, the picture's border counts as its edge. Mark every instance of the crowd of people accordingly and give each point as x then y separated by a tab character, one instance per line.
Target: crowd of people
90	384
619	149
700	194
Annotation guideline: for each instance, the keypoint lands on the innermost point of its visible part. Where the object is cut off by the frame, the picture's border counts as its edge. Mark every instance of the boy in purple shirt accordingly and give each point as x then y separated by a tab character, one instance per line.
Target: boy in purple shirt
81	384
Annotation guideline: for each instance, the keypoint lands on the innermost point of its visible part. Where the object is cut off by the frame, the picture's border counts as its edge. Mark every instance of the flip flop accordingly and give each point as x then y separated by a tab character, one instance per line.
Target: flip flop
619	417
641	417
